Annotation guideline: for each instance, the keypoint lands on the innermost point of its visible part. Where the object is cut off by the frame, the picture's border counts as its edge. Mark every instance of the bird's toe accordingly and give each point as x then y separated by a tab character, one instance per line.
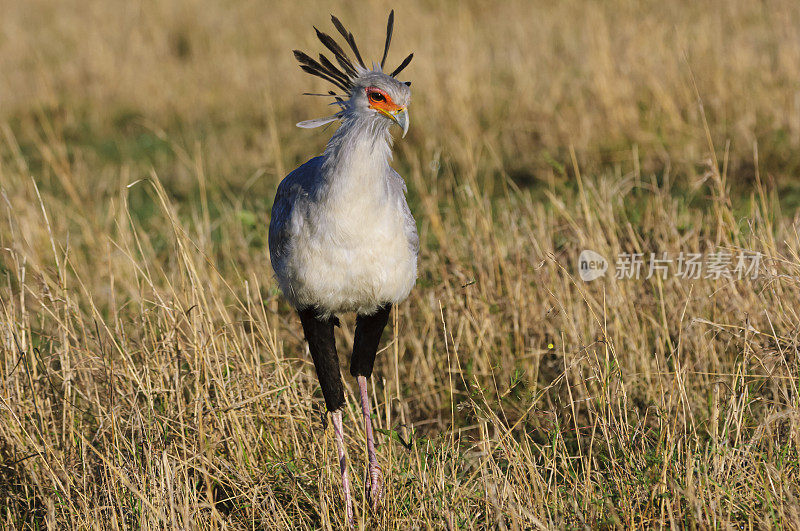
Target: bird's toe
375	487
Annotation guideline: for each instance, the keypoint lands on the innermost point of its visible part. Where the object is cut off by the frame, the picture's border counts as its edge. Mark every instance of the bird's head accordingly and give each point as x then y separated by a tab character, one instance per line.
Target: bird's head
368	93
381	97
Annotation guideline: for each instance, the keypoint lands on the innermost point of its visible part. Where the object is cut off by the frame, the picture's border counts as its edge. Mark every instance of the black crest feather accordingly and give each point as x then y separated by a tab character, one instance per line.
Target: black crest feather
337	52
402	65
349	38
389	29
316	69
344	75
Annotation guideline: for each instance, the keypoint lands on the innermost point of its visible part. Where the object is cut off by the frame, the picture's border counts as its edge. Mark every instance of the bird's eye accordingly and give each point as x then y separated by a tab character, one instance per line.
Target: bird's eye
377	96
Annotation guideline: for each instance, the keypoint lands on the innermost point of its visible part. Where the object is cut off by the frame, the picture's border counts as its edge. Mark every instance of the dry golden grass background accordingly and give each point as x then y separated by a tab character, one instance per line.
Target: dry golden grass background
152	377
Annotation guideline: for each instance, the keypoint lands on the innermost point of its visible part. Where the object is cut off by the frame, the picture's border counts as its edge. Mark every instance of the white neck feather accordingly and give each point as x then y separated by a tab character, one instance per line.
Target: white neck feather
357	156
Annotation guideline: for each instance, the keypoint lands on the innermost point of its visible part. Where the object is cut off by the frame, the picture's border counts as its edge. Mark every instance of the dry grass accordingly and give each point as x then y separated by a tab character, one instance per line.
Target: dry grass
152	377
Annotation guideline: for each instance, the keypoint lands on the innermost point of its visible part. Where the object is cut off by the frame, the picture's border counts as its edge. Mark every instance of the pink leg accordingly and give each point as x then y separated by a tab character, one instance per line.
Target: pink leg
339	432
375	476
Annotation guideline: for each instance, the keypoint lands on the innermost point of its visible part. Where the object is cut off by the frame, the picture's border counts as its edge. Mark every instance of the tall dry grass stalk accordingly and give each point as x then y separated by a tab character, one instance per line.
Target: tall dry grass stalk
152	377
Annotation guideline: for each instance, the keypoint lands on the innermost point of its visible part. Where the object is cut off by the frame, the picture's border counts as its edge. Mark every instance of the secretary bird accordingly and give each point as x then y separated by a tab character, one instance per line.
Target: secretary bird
341	236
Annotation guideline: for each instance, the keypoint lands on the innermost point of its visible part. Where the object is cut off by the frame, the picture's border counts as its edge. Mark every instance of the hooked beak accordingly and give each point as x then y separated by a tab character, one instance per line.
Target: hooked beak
400	117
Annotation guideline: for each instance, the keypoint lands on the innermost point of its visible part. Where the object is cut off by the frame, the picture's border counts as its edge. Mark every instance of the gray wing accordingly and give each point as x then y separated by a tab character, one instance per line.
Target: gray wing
398	187
297	186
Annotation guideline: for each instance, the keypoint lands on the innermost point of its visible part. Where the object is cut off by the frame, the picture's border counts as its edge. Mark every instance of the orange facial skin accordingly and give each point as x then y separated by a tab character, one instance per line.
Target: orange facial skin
381	101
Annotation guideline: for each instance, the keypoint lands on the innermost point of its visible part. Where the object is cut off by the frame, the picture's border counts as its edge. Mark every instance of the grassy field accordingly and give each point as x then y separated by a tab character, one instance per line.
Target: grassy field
152	377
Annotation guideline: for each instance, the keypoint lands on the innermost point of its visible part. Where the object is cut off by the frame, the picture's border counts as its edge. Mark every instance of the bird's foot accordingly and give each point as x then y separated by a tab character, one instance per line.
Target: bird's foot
374	486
